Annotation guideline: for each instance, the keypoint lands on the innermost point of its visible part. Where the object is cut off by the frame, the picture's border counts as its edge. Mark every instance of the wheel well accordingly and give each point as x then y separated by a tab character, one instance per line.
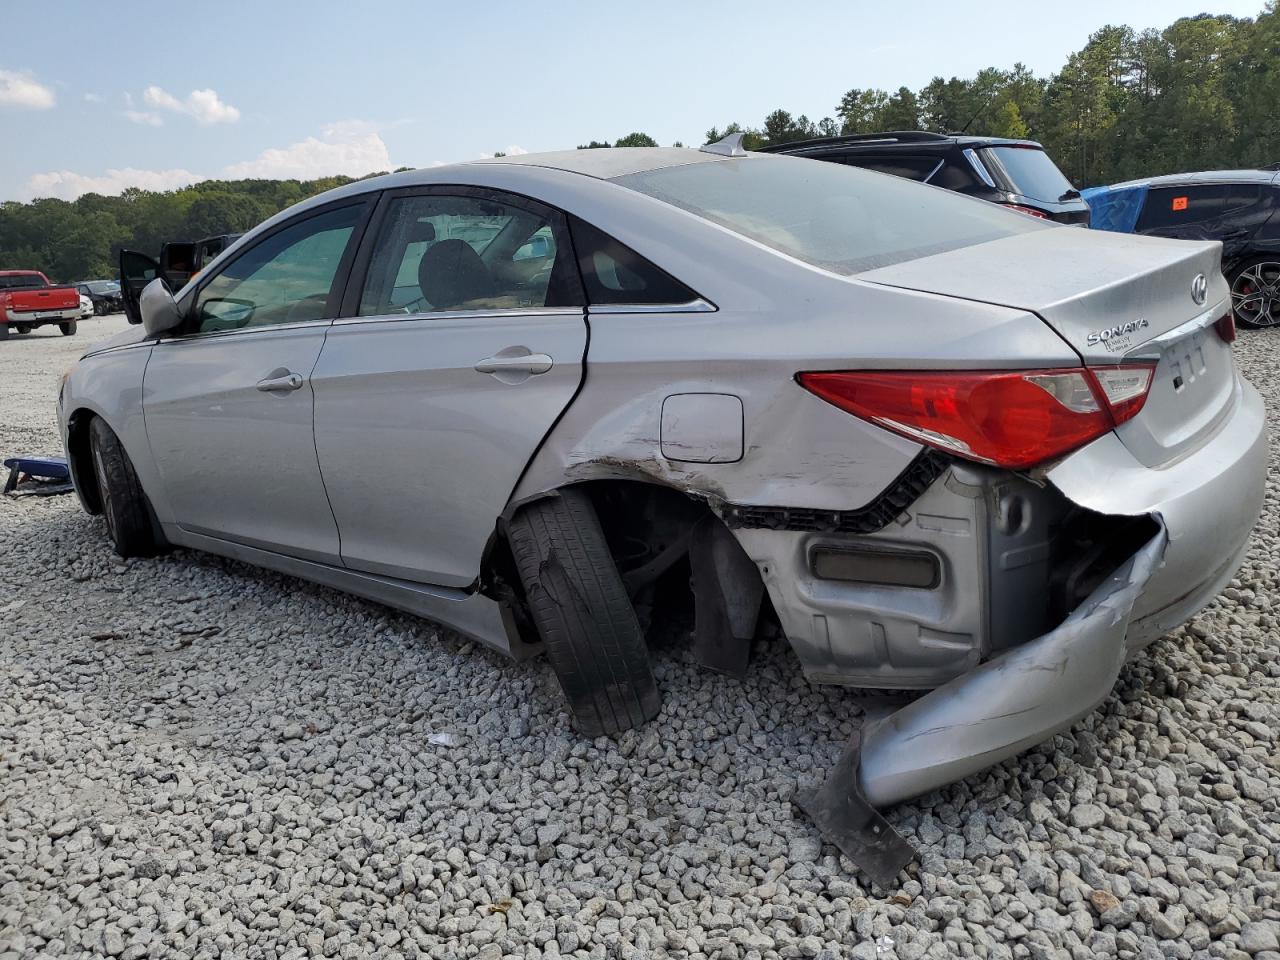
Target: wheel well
80	460
670	548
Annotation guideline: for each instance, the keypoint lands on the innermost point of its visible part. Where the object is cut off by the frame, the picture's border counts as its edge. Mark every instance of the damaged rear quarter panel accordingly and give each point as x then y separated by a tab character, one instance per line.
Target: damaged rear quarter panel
798	450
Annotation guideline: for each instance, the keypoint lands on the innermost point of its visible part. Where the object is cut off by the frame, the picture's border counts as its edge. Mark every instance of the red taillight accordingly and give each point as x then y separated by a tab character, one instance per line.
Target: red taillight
1009	418
1029	211
1226	327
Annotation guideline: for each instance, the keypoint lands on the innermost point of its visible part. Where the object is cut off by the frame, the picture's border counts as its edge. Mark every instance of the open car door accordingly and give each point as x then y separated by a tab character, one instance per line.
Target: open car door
177	263
136	271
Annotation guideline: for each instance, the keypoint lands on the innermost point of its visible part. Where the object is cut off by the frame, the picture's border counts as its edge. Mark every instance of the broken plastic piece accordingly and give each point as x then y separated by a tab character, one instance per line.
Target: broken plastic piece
846	818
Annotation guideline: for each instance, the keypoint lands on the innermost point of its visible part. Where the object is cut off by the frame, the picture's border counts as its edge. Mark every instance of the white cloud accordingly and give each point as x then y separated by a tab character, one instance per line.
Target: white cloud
145	117
353	149
93	98
515	151
203	105
68	185
24	90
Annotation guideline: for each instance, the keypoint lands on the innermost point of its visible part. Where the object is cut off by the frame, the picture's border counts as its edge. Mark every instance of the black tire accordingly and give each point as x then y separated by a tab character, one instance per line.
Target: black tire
4	331
21	328
123	503
68	329
99	309
583	614
1253	308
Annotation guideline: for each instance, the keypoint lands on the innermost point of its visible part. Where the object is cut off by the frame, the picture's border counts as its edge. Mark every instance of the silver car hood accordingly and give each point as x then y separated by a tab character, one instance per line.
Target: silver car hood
1104	293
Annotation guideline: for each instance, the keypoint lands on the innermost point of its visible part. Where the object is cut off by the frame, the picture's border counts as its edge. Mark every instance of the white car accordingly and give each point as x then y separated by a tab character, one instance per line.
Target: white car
86	307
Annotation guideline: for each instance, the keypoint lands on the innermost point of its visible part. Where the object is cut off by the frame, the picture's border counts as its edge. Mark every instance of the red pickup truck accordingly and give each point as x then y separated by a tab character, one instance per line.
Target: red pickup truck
28	300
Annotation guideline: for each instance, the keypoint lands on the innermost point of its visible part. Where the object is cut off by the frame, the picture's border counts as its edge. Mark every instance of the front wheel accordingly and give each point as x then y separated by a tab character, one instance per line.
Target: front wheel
1255	292
123	503
583	614
68	329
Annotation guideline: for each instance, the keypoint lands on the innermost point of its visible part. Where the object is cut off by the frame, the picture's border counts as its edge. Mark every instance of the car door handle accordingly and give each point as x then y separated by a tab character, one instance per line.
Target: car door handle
530	363
289	382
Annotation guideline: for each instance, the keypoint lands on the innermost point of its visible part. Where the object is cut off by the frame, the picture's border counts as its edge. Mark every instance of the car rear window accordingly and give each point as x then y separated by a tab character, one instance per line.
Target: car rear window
830	215
1030	172
21	281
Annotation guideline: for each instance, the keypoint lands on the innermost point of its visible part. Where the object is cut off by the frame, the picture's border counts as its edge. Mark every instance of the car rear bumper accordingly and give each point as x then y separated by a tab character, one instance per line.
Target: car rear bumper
1205	507
41	317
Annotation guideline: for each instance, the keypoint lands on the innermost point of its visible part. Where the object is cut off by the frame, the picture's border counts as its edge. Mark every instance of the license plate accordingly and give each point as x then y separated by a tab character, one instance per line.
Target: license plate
49	316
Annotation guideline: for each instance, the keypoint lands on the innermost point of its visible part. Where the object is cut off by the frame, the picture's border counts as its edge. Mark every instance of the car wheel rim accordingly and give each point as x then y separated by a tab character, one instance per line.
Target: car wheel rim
1255	295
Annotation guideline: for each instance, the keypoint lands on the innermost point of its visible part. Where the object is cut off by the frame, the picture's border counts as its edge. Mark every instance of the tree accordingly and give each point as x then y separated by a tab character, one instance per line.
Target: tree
636	140
594	145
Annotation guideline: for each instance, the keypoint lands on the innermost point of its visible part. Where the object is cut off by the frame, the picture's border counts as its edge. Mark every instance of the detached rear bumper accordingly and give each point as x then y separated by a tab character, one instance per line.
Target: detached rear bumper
1205	505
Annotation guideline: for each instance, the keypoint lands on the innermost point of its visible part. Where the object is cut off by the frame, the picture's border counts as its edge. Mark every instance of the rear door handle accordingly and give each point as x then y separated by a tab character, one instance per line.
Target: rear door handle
288	383
530	363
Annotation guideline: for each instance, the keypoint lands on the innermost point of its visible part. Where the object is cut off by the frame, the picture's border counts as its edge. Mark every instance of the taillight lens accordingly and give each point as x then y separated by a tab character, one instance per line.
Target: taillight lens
1226	327
1010	418
1029	211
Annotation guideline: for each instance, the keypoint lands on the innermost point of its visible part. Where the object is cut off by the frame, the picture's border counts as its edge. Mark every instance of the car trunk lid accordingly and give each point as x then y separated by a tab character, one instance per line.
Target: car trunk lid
1113	298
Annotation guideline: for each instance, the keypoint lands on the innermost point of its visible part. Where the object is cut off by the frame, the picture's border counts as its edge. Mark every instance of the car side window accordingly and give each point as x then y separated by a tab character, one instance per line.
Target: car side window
286	278
442	252
616	274
1174	206
910	168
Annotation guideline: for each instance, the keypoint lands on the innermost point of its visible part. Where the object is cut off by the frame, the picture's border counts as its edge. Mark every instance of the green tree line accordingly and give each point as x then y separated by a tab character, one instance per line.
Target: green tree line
1199	94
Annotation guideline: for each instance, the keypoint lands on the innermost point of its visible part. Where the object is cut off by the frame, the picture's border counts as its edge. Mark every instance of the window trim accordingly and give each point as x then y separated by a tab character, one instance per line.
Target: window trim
364	200
349	305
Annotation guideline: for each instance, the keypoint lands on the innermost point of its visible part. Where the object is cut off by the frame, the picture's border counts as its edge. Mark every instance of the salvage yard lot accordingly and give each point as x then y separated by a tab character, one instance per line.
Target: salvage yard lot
198	758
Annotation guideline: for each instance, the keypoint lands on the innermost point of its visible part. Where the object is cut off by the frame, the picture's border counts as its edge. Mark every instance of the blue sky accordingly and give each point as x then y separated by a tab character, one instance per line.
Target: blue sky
92	97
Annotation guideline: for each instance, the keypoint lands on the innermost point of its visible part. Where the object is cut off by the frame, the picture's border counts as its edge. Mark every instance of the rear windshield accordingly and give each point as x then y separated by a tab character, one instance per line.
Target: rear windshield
22	281
103	286
832	216
1031	173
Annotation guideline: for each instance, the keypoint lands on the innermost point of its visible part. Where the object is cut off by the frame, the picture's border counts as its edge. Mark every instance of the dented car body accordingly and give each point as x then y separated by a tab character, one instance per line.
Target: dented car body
880	412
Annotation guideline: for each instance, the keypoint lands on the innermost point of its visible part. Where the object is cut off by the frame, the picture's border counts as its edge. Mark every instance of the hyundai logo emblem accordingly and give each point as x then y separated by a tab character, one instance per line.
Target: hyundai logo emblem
1199	288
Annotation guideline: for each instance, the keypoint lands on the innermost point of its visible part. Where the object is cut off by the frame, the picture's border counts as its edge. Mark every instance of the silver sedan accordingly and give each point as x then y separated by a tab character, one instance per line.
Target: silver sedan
548	399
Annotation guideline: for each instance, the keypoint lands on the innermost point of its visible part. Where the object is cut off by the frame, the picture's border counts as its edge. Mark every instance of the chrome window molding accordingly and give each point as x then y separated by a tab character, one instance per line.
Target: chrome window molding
693	306
978	168
462	315
934	171
244	331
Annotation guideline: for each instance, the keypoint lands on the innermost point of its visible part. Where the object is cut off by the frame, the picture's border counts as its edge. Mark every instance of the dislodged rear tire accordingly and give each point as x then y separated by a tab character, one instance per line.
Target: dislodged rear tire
123	503
583	614
68	329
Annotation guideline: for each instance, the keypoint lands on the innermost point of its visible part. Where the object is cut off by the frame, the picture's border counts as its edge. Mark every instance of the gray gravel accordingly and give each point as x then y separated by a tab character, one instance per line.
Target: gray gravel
198	759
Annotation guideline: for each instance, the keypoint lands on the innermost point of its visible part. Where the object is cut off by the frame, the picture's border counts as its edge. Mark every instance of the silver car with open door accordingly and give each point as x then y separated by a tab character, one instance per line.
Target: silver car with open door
944	446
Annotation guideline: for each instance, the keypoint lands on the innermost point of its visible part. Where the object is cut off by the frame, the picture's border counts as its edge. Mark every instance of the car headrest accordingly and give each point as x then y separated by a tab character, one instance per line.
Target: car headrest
420	231
451	273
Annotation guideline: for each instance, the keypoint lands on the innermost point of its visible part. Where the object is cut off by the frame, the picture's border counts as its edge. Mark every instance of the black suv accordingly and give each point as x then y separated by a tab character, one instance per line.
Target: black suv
1016	173
1237	207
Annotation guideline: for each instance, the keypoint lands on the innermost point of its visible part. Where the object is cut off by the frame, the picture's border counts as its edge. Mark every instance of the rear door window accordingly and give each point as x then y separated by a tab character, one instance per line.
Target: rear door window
911	168
438	252
1177	206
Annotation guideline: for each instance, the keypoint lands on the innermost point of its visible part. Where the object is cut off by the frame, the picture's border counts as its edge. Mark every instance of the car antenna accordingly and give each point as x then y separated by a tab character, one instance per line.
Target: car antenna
981	110
730	146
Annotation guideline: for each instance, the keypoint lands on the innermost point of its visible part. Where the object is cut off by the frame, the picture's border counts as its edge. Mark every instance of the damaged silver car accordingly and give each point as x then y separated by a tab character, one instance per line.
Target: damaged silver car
543	399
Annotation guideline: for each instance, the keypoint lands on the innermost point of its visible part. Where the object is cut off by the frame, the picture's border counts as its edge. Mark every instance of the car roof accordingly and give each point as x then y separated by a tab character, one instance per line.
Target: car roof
606	163
897	139
1201	176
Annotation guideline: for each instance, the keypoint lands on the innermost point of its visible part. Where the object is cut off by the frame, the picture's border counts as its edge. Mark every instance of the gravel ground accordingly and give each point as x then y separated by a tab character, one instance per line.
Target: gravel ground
201	759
